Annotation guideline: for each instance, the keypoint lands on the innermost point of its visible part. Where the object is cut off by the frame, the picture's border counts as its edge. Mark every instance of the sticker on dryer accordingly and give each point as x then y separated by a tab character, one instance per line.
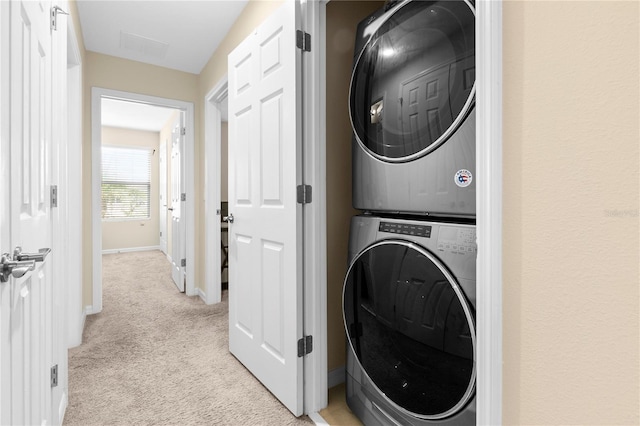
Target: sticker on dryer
463	178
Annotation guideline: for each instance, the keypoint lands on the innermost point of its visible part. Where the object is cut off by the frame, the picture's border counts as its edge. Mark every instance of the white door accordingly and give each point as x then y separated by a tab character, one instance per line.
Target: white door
265	237
178	231
29	320
163	195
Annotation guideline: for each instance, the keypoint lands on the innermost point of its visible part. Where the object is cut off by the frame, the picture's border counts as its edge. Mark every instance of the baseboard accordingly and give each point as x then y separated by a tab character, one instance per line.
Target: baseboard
130	249
63	407
336	377
202	295
77	337
88	310
317	419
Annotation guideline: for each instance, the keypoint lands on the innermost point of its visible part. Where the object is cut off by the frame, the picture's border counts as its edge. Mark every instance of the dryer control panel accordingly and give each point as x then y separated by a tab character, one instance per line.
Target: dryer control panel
406	229
456	240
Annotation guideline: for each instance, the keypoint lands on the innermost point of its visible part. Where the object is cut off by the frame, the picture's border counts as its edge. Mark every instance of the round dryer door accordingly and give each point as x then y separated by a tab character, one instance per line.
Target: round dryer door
414	81
411	329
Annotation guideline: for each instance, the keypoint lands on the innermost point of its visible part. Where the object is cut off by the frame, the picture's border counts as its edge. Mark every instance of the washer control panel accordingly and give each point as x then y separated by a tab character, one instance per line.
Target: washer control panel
406	229
456	240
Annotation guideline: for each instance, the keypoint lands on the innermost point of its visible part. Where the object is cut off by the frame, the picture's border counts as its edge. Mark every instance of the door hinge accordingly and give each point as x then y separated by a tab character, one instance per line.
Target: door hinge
303	41
183	131
54	17
183	197
161	233
54	195
304	194
183	263
305	346
54	376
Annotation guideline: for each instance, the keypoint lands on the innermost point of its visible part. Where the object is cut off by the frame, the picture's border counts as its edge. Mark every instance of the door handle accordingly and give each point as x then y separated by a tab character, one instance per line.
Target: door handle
228	218
36	257
15	268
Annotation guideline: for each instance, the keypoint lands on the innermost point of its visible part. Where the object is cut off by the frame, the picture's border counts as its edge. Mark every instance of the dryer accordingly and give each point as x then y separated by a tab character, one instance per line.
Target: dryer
409	314
412	109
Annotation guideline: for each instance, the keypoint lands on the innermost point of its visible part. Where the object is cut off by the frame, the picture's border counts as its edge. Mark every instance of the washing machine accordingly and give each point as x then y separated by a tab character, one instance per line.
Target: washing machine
409	315
412	109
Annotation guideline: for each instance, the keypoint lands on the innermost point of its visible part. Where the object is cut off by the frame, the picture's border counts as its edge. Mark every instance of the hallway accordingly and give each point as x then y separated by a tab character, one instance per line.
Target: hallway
155	356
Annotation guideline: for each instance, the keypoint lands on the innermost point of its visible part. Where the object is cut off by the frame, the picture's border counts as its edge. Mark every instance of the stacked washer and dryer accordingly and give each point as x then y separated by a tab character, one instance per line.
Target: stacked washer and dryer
410	290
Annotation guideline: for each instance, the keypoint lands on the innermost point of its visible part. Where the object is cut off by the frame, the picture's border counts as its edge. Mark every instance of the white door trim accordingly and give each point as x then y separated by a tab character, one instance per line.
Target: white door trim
488	196
75	310
489	210
314	213
97	93
212	193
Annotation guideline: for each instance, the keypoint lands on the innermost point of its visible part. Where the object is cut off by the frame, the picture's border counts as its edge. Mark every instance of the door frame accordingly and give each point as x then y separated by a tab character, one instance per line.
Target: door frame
488	195
75	311
313	20
489	210
97	93
212	193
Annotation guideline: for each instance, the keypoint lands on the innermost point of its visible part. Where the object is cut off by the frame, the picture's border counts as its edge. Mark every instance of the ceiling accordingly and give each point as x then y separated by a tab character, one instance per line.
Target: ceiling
176	34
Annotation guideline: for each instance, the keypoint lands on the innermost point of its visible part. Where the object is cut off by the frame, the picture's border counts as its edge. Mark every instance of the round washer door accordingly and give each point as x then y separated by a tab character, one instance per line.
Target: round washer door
411	329
414	81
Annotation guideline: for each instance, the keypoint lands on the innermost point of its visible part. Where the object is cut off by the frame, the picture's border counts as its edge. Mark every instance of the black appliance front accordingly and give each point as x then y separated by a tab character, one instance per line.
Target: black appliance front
410	330
412	83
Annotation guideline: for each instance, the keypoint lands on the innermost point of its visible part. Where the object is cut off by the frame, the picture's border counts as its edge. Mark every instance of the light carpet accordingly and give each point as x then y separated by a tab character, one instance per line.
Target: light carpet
154	356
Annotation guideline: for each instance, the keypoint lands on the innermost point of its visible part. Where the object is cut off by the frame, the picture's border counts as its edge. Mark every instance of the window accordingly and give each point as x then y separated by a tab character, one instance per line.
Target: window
126	183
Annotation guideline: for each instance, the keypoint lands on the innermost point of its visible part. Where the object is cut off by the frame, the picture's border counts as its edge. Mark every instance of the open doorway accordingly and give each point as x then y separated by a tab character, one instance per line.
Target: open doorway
216	178
134	195
224	192
142	180
141	190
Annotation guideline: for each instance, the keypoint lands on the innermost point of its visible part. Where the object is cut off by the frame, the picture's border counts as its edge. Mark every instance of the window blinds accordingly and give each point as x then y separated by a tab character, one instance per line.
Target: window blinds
126	183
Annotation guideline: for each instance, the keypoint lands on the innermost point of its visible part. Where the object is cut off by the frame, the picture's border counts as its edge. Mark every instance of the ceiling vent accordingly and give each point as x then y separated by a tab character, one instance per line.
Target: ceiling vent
144	46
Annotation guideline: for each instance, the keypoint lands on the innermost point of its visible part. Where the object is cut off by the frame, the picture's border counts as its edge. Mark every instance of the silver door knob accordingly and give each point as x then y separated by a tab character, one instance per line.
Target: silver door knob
228	218
15	268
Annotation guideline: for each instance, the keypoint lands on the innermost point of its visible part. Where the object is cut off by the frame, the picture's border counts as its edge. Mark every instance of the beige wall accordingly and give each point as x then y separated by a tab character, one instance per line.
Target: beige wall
120	74
121	234
342	19
570	243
